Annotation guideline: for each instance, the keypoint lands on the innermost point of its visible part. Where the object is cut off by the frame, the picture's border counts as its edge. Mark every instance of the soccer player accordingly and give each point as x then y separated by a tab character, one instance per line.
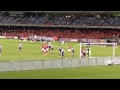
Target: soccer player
72	50
83	52
0	49
69	49
60	48
20	47
47	47
51	49
88	51
116	45
62	53
42	48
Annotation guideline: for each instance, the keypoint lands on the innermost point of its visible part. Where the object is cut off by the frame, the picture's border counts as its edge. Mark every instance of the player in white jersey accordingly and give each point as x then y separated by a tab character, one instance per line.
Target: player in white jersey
116	45
20	47
72	50
0	49
51	49
62	53
49	46
60	48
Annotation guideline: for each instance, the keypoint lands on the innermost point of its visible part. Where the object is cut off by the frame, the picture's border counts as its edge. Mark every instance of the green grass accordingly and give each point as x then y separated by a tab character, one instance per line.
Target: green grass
90	72
32	51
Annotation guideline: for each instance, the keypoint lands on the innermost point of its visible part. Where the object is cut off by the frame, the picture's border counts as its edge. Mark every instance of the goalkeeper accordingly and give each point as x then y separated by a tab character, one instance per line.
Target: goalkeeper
88	51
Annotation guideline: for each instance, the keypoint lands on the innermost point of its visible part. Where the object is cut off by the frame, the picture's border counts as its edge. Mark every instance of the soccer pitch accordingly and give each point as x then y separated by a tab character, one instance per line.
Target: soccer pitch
32	50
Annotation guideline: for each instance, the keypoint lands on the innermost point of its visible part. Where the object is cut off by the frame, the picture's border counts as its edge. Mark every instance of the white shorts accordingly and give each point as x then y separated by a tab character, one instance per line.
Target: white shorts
69	50
42	49
47	49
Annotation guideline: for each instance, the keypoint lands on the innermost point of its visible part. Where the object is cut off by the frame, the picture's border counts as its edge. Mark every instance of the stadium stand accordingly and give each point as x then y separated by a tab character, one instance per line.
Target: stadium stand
27	20
39	19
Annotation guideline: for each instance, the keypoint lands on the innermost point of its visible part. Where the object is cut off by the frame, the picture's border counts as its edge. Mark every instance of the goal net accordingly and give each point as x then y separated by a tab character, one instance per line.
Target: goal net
91	50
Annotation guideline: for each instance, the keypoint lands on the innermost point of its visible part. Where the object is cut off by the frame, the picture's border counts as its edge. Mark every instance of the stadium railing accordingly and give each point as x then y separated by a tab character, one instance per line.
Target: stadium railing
49	64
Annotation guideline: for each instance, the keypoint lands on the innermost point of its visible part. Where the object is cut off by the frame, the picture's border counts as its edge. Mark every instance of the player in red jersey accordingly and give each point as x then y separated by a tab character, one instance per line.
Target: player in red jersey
83	52
69	49
82	49
47	47
42	48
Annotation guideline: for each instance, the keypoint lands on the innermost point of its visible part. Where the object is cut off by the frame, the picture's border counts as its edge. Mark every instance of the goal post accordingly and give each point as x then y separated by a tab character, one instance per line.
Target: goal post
113	45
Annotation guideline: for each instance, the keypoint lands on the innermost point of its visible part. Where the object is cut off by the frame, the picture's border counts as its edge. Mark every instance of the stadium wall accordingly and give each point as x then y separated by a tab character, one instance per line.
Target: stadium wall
49	64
